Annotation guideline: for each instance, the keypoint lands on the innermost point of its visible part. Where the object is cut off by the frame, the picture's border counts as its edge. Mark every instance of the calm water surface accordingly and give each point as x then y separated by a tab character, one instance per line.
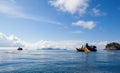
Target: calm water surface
59	61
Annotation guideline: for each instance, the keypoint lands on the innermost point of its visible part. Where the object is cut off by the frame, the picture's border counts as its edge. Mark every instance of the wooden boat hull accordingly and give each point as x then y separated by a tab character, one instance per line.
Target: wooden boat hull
78	49
86	49
83	49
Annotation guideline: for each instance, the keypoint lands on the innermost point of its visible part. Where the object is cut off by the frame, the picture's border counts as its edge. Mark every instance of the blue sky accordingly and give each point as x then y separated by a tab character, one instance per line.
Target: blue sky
56	20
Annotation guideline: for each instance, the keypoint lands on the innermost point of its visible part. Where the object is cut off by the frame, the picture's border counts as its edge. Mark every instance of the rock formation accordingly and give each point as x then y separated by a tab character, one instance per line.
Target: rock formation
112	46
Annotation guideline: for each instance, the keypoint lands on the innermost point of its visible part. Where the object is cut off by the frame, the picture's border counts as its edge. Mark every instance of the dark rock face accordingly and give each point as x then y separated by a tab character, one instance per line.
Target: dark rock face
112	46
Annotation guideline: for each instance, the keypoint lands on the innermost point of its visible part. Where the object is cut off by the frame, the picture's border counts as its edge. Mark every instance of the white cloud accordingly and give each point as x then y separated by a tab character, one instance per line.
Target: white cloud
100	44
85	24
9	41
67	44
10	8
97	12
71	6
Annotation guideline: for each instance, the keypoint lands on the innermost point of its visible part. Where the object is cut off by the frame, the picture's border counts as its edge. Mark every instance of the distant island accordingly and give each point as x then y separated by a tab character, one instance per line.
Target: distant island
112	46
51	49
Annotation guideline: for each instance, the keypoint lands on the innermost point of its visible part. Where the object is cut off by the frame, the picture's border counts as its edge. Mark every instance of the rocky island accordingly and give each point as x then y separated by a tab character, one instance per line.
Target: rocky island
112	46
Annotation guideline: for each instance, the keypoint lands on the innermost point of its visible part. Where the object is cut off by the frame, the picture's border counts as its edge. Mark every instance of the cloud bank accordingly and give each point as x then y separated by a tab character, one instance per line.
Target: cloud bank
13	41
9	41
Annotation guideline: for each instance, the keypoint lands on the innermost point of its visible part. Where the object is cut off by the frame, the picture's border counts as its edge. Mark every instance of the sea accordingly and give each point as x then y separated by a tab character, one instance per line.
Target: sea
59	61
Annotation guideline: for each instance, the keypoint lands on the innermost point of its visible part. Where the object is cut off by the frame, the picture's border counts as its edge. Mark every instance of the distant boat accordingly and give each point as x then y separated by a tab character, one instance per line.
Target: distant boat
20	48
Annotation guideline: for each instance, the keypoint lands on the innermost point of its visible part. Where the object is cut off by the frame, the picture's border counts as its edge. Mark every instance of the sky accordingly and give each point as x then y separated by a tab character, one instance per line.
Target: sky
58	23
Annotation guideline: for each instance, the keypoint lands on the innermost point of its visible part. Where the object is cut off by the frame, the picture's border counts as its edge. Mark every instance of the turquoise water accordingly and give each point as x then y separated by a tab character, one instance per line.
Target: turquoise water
59	61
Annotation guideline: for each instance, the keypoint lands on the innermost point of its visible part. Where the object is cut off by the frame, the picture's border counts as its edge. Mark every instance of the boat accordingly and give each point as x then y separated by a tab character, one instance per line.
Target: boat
83	49
87	48
92	48
79	49
20	48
